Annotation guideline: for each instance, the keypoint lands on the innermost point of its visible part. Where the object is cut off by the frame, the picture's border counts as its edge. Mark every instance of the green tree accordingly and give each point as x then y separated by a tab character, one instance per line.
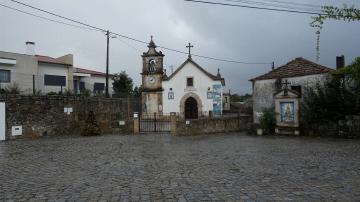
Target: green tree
239	98
338	97
137	91
350	76
333	13
122	84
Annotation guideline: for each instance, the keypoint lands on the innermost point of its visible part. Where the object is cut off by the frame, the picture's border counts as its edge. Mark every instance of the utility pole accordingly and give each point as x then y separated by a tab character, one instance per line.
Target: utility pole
107	64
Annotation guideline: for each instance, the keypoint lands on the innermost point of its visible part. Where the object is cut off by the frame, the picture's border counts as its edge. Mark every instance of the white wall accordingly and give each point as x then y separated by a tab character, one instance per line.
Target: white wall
90	81
2	121
22	72
51	69
178	83
263	90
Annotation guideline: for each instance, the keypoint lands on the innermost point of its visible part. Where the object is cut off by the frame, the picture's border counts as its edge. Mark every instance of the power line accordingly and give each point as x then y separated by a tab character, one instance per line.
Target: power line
277	5
48	12
45	18
127	37
256	7
294	3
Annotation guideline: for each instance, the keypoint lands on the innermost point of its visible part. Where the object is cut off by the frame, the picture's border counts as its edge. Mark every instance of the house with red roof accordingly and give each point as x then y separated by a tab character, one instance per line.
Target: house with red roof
94	81
299	73
36	73
40	73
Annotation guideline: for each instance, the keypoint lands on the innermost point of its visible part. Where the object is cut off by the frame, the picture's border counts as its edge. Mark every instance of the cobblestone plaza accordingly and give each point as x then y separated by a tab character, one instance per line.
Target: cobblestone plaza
232	167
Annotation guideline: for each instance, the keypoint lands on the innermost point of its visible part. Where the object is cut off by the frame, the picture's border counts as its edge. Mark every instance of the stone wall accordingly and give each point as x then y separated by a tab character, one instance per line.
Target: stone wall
44	115
348	128
211	125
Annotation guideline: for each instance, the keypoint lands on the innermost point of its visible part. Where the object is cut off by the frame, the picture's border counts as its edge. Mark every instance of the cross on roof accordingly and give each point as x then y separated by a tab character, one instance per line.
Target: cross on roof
285	84
190	46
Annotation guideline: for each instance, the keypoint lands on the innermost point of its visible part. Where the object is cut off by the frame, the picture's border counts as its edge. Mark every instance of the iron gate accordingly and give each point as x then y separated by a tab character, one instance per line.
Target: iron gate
157	123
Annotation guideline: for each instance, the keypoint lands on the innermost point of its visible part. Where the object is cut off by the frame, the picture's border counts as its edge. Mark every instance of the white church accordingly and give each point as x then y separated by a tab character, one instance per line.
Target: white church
190	91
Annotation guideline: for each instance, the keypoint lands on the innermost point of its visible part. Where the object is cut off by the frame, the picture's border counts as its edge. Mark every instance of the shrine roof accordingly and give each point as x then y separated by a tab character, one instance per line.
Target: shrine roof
295	68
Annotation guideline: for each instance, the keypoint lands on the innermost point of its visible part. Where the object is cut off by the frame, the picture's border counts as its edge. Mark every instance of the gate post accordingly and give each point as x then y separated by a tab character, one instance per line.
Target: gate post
173	124
136	123
154	121
2	121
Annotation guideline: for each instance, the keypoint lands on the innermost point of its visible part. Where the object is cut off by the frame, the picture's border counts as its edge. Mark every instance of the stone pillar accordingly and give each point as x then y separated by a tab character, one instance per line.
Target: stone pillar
173	120
136	124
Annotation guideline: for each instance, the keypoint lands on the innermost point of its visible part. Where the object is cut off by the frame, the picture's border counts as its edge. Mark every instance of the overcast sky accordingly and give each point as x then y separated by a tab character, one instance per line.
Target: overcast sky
217	31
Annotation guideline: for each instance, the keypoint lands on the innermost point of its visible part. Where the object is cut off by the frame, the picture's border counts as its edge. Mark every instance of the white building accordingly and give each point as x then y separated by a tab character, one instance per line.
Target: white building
39	73
190	91
299	73
35	72
91	80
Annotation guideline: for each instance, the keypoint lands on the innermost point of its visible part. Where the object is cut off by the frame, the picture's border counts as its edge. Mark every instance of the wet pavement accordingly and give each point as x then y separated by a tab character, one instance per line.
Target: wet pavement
154	167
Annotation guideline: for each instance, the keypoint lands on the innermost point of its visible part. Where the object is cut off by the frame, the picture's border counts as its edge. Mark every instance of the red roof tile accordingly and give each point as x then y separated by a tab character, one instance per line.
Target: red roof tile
47	59
295	68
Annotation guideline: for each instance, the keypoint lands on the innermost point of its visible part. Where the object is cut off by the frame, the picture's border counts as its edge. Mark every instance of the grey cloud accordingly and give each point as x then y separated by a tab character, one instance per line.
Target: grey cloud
223	32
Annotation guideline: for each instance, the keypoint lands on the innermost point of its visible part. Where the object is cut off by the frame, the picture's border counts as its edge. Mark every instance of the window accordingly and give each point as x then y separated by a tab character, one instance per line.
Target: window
54	80
170	95
190	82
209	95
99	87
4	76
82	86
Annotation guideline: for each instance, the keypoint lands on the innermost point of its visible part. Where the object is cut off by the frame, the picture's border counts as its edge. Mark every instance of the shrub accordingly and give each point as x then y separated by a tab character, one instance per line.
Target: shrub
52	93
68	92
268	121
85	93
12	89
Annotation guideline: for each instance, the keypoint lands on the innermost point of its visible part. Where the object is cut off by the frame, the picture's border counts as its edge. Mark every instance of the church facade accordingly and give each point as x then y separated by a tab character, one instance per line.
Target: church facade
190	91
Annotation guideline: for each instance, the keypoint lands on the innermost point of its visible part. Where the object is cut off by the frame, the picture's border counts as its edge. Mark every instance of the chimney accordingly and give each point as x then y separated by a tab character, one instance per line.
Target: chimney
30	48
340	62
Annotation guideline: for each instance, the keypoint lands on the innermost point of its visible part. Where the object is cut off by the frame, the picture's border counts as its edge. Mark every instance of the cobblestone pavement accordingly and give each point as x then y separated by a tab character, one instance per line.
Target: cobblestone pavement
232	167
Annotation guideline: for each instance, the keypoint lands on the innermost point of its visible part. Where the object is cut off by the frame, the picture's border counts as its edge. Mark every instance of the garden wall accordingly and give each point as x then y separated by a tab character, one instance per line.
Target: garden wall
211	125
348	128
60	115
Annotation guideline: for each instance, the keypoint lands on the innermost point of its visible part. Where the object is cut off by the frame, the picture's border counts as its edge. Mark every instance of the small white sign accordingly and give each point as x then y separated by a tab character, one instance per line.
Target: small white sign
187	122
16	130
121	123
68	110
136	115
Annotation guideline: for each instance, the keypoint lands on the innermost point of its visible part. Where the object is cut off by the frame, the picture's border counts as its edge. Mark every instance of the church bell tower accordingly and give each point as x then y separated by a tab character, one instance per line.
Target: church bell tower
152	75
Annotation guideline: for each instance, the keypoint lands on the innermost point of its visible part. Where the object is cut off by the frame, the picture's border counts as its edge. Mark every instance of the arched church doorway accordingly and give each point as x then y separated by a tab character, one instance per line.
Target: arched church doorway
191	108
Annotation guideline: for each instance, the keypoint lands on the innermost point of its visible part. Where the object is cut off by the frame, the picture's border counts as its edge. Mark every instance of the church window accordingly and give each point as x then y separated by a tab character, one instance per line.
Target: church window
190	82
170	95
